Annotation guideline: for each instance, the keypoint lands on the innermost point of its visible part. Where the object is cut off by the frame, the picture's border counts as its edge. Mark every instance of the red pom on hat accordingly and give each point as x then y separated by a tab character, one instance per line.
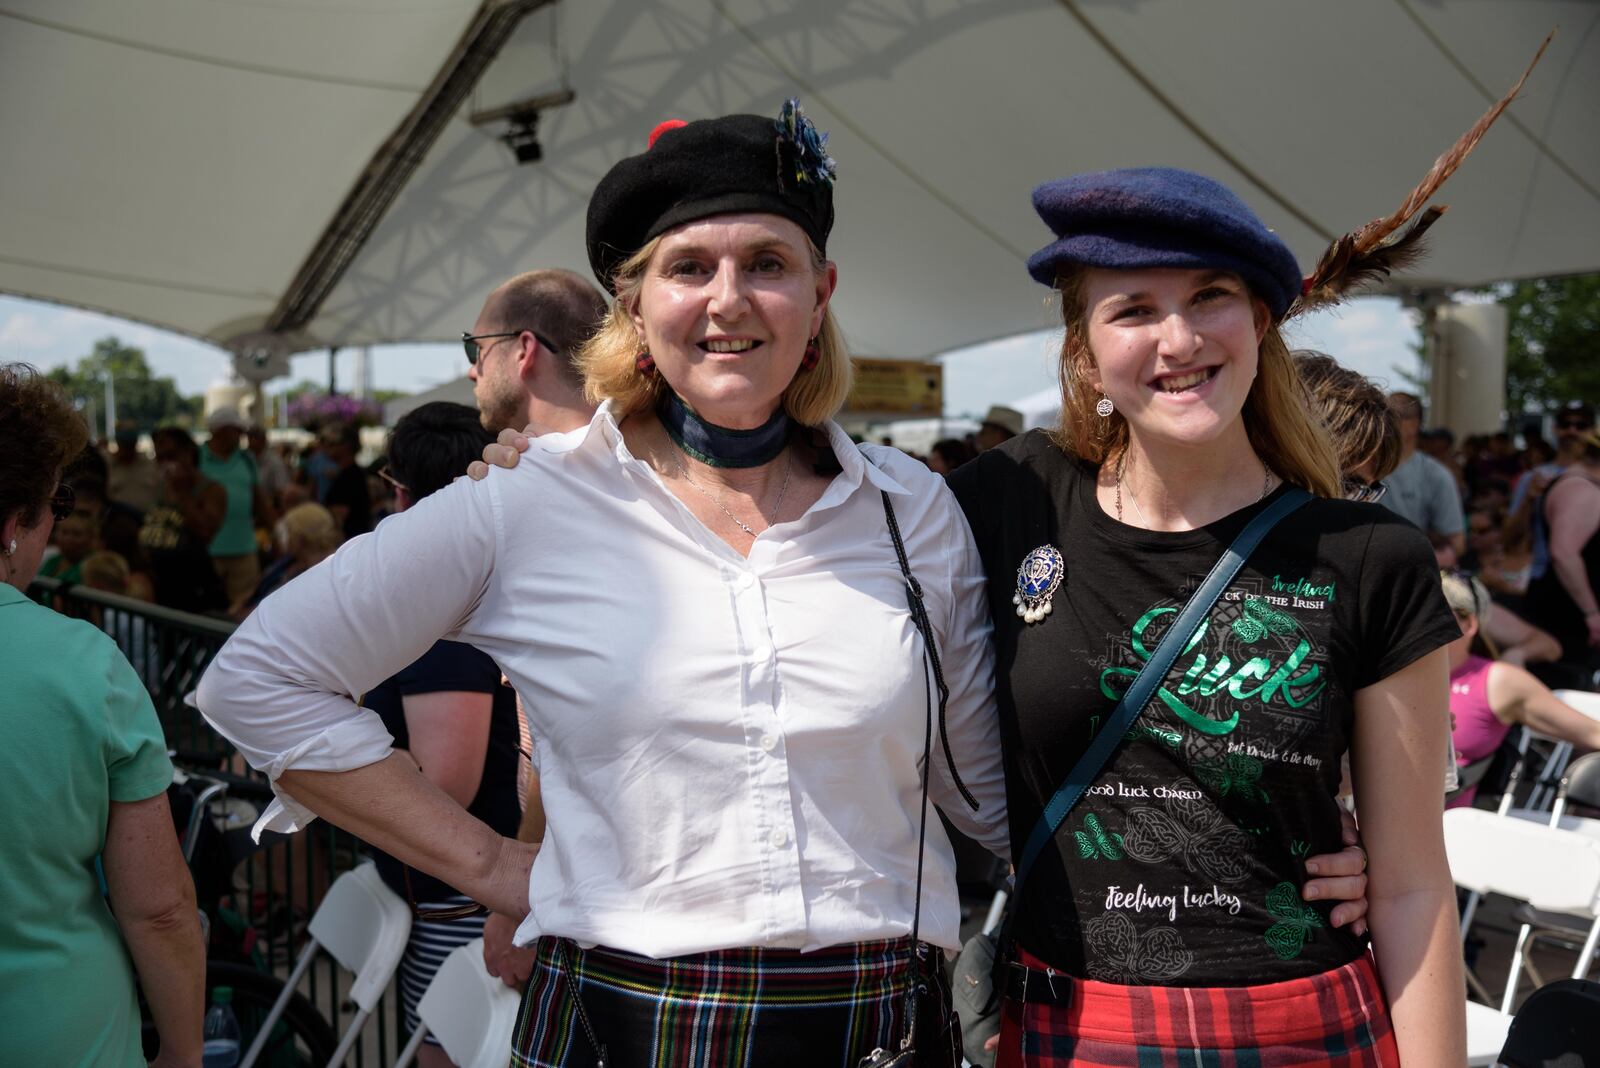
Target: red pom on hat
663	127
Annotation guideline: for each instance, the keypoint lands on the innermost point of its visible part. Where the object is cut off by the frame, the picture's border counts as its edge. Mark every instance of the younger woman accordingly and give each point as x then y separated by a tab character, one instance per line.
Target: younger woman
1166	917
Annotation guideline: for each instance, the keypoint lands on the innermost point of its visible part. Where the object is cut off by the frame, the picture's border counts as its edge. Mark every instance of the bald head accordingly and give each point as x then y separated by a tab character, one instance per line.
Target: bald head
562	307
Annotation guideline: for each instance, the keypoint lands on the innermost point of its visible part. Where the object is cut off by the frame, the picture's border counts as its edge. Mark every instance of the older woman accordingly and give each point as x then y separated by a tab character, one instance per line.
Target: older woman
83	775
1164	914
698	596
306	535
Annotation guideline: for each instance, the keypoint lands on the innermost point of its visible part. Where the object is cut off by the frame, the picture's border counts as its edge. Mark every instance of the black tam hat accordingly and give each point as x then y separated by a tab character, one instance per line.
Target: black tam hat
692	170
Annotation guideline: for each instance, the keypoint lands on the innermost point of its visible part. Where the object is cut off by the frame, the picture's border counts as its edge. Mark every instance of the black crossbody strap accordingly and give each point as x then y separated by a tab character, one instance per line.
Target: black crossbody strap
1149	678
930	660
919	616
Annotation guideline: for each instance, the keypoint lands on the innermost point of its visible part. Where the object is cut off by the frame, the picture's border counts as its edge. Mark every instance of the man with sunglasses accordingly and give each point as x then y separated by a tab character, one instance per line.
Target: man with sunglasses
520	349
520	360
1421	489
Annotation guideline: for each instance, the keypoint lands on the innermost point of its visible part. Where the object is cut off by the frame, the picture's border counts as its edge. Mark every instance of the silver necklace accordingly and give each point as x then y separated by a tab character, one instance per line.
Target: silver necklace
788	464
1266	487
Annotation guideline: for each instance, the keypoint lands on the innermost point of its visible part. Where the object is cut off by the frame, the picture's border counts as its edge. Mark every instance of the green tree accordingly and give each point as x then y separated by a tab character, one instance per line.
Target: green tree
142	397
1553	341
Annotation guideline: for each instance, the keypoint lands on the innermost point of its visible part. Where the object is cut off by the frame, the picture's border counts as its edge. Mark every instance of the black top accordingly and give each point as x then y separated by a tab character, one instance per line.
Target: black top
180	562
349	488
451	667
1183	862
1550	605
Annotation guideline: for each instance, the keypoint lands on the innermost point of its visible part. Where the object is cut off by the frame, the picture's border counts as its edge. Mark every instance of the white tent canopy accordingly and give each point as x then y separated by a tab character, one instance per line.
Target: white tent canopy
212	167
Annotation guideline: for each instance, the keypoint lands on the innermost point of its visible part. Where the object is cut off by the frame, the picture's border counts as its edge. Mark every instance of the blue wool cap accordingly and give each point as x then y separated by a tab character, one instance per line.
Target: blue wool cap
1145	217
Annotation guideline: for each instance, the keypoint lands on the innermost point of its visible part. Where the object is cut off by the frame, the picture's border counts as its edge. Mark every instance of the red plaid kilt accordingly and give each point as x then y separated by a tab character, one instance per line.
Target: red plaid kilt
1338	1019
761	1008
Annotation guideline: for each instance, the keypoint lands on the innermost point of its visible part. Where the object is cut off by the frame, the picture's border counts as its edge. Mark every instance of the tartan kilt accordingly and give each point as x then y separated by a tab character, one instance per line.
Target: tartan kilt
756	1007
1337	1019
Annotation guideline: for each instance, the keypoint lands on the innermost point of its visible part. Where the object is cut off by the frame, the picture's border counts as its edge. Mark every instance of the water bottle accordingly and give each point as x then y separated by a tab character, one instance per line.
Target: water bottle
221	1048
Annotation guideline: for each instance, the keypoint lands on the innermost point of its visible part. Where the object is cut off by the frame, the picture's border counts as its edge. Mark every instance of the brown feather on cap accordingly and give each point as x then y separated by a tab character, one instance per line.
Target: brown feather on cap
1371	252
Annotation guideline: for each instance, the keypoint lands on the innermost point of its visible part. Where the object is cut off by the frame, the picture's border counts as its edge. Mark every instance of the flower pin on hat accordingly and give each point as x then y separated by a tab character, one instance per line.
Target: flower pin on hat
1038	577
811	160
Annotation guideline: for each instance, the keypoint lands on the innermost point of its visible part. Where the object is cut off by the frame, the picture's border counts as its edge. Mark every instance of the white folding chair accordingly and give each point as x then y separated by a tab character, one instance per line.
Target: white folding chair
364	926
470	1012
1546	867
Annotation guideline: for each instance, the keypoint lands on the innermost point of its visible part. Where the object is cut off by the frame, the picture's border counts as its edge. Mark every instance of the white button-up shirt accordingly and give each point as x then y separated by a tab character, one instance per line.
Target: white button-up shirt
728	748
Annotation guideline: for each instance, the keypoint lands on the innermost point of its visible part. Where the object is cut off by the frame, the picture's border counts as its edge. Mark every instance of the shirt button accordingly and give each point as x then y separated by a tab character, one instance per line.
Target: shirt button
769	742
780	838
746	580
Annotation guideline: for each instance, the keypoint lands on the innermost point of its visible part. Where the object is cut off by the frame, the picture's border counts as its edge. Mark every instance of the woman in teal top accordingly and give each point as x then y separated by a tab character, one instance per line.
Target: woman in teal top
83	774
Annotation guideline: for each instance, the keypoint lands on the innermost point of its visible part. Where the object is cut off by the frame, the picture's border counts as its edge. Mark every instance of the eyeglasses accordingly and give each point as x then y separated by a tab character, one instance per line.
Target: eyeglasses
63	501
1364	492
1573	424
394	483
469	343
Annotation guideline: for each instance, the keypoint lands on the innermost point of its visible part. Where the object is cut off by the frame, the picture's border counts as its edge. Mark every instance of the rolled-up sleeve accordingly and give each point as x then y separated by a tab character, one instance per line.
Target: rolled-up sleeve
284	688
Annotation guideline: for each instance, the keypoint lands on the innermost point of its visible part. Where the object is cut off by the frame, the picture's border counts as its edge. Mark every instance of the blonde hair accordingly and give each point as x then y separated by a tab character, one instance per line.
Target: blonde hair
1278	417
1466	596
313	526
106	570
610	372
1355	412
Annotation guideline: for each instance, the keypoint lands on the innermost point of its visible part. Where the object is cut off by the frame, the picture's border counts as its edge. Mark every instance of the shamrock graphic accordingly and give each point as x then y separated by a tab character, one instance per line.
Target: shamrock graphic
1190	828
1259	620
1236	774
1094	843
1296	921
1120	954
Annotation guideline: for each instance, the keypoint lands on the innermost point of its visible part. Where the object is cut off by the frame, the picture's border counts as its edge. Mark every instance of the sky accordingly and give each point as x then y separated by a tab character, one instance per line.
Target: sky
1373	335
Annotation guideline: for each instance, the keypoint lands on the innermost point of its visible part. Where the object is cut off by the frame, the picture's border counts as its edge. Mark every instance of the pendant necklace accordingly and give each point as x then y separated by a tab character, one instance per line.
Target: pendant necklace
788	465
1266	487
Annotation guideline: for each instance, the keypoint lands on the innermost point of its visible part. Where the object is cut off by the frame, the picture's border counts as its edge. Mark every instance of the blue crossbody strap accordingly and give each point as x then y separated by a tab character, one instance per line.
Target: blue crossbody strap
1144	685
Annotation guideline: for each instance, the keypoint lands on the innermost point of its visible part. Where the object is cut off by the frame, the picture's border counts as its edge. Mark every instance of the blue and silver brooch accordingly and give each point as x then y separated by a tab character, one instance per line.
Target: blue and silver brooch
811	160
1038	578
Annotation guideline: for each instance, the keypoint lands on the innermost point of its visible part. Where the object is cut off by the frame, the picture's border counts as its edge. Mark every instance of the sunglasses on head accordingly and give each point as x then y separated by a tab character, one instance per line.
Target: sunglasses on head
469	343
1364	492
63	501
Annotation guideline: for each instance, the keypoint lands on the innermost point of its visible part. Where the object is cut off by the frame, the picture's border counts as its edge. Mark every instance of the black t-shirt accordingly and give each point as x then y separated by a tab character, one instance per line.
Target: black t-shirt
349	489
446	668
180	562
1182	864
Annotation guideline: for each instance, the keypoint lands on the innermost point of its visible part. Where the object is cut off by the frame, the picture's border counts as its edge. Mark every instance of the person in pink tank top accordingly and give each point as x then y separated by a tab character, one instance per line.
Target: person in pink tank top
1489	697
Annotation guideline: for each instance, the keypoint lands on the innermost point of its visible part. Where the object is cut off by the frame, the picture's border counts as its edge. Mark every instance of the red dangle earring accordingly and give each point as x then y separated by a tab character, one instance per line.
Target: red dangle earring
812	356
645	362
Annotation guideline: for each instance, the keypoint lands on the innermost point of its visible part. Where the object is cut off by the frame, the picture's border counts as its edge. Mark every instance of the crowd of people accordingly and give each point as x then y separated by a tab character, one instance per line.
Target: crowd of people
749	656
211	527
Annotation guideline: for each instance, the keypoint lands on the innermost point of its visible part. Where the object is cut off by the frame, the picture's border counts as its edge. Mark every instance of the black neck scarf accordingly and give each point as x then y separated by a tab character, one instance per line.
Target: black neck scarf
717	446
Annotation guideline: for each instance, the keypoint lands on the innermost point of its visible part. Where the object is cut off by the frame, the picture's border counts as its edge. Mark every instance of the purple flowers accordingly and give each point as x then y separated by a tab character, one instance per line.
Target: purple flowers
313	410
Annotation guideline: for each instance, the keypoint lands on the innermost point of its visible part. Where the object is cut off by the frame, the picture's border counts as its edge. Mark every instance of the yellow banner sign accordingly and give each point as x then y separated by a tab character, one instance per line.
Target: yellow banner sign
897	387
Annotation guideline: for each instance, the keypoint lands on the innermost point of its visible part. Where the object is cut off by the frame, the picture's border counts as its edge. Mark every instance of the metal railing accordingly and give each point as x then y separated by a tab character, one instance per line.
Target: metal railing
275	890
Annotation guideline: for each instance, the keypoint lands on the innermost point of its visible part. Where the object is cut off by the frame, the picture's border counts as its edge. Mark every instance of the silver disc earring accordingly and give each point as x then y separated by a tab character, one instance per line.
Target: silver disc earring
12	551
1103	407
